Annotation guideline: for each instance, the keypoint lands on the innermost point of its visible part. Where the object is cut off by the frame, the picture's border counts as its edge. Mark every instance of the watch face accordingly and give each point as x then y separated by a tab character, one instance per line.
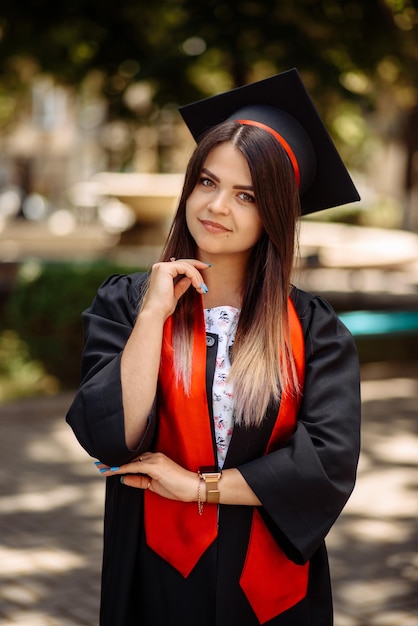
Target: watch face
208	469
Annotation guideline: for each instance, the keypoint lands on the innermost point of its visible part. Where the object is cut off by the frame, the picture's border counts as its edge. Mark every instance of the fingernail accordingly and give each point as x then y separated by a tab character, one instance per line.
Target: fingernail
104	469
204	288
97	462
209	264
122	478
114	469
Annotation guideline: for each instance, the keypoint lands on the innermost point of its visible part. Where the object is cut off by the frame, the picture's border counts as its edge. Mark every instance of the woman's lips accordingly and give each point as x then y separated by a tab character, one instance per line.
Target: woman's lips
214	227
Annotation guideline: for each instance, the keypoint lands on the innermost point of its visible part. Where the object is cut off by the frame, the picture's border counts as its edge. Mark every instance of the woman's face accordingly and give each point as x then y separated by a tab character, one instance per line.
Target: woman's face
221	212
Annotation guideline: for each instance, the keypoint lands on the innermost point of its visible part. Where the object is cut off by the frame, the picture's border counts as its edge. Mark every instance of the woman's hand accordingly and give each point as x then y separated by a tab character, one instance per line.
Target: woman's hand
169	281
156	472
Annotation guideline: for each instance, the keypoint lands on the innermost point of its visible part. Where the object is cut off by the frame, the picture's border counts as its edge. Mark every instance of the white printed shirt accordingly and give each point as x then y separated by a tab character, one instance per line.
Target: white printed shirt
222	321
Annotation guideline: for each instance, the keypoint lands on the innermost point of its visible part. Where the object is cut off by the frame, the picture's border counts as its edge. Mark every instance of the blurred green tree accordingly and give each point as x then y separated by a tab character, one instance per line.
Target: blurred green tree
190	49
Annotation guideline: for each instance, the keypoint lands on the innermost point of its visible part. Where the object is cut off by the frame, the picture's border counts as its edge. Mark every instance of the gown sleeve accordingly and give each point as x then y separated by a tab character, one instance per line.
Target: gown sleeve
304	485
96	413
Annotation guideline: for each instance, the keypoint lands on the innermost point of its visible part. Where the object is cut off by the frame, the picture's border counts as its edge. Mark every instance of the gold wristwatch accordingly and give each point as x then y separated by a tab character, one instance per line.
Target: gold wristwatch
211	476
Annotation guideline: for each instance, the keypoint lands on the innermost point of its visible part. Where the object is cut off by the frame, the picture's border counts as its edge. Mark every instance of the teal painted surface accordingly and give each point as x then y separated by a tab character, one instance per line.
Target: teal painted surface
380	322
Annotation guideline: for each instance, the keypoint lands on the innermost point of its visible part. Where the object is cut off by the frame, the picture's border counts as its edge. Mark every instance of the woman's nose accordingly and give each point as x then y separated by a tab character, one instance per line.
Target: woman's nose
219	203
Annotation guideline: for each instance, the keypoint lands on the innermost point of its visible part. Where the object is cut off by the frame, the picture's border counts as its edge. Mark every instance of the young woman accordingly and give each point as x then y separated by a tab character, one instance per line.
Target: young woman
223	406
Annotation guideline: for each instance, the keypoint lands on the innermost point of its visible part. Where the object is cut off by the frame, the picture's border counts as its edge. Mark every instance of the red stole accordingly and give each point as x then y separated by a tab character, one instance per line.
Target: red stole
174	530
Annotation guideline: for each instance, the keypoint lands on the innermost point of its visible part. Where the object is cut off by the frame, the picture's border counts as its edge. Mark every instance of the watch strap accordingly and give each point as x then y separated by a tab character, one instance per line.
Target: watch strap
212	488
211	478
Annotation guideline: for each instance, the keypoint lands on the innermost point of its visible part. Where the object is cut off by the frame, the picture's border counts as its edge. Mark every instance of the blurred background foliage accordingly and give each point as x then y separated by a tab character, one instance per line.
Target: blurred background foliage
355	56
40	352
123	69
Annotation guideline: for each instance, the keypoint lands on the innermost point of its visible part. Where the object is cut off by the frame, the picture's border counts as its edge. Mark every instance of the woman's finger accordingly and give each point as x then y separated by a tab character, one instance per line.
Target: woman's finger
190	269
136	481
135	467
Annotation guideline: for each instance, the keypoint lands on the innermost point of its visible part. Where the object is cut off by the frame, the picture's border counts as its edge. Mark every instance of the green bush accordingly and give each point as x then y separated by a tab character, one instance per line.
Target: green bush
45	308
20	375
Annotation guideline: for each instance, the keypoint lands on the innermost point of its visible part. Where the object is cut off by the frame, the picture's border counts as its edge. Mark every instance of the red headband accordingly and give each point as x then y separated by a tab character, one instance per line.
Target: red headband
282	142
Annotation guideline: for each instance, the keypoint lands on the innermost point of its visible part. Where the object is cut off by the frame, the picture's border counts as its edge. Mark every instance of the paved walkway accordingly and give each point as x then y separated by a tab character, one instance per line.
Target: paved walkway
51	501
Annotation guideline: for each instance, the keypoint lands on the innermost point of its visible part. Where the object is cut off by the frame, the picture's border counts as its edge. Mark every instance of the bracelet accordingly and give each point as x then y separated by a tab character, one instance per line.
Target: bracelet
199	501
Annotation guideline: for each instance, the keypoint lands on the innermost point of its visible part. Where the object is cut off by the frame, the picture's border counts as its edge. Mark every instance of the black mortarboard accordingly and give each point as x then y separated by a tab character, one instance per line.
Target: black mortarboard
283	104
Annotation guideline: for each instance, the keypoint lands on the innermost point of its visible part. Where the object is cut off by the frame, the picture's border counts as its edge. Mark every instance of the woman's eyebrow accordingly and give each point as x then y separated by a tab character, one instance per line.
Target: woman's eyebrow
211	174
246	187
218	180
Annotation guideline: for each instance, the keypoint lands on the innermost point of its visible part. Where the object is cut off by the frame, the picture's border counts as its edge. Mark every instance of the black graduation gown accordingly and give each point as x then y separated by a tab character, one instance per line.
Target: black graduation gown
303	486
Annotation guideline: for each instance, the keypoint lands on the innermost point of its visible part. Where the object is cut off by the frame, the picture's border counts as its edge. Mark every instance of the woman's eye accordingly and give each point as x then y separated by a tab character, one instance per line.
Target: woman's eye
246	197
206	182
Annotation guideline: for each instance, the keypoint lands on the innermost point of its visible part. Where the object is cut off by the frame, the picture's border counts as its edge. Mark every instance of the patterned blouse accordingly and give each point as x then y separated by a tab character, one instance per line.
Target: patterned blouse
222	321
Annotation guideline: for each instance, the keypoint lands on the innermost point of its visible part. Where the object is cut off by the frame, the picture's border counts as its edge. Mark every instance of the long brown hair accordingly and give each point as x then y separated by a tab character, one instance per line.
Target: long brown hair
262	361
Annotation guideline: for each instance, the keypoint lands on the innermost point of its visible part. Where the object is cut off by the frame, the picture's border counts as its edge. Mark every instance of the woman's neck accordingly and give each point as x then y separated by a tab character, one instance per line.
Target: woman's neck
224	280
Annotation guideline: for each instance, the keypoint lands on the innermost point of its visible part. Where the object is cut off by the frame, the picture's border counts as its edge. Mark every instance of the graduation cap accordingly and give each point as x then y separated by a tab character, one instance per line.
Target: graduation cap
282	106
